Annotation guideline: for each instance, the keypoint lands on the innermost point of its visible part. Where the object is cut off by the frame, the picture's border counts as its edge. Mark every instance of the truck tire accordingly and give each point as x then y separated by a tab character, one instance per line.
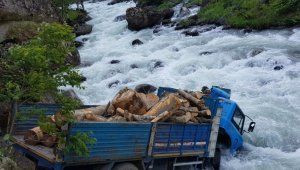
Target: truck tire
125	166
216	160
213	163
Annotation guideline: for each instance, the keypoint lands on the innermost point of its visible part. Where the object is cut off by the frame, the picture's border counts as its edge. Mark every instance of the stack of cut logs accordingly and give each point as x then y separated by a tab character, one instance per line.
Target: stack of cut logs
129	105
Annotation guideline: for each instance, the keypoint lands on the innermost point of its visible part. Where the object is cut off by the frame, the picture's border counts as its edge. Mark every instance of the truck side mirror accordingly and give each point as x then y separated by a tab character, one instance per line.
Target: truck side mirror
251	127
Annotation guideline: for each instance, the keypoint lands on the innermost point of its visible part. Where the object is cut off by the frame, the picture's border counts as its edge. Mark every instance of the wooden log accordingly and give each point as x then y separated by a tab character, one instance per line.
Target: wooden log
99	110
191	98
206	112
48	140
93	117
33	136
162	117
198	94
203	120
181	119
130	117
151	100
190	109
169	103
193	117
117	118
124	98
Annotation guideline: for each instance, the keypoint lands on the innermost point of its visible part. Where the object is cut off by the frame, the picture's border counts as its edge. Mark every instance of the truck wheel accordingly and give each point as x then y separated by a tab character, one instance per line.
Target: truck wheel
216	160
125	166
213	163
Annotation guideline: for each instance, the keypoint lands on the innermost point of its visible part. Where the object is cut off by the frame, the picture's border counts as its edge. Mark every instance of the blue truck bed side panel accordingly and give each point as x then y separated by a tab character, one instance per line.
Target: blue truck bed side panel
180	139
30	115
115	141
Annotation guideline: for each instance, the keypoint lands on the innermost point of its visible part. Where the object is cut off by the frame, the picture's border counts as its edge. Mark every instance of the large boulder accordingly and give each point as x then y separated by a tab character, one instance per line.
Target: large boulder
83	29
140	18
12	10
73	58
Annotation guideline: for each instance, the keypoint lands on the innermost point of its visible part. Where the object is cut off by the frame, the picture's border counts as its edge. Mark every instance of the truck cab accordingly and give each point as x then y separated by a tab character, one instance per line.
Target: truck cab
232	121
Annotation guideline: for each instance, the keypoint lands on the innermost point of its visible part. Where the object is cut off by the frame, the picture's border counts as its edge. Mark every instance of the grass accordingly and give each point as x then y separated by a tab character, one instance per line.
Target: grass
252	13
22	31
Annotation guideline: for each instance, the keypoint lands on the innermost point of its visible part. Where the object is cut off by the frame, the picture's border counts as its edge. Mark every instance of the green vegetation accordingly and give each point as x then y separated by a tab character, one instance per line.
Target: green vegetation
37	68
66	13
22	31
193	2
162	4
255	14
168	4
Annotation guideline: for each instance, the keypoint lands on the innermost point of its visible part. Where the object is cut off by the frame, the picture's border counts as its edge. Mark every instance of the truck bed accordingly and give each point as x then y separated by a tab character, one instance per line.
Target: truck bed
42	151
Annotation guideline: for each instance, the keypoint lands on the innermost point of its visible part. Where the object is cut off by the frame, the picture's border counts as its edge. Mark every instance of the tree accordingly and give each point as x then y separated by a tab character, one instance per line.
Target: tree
37	68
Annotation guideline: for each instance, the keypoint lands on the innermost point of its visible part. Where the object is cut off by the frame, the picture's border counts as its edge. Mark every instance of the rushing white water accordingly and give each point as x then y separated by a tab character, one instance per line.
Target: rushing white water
217	57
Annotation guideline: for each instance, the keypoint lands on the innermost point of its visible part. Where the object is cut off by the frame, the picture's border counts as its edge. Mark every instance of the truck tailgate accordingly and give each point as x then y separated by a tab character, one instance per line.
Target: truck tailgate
169	139
39	150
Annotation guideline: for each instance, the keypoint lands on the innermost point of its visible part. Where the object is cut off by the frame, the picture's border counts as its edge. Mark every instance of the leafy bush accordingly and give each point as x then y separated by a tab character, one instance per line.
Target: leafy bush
39	67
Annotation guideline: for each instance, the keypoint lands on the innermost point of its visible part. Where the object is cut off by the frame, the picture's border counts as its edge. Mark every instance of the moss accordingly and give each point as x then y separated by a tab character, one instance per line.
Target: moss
22	31
252	13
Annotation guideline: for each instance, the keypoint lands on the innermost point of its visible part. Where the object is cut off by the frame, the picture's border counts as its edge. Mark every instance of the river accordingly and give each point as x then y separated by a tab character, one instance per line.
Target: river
243	62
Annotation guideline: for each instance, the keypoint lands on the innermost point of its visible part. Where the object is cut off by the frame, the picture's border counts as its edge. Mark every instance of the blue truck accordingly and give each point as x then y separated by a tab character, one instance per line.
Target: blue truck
136	145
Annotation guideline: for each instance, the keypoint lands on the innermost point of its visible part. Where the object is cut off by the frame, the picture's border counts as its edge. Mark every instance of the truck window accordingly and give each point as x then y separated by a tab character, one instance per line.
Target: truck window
238	119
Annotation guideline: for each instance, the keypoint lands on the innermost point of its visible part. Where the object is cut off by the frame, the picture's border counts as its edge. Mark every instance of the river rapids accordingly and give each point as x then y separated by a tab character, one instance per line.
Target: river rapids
261	68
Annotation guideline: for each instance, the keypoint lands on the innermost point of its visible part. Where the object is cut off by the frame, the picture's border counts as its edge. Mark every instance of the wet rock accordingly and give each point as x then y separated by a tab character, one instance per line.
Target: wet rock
207	29
167	22
73	95
83	29
85	39
113	84
117	1
205	53
187	23
73	58
157	29
133	66
175	49
226	27
145	88
78	44
256	51
247	30
83	79
168	14
120	18
137	42
114	61
155	64
184	11
191	33
276	68
13	10
140	18
158	64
